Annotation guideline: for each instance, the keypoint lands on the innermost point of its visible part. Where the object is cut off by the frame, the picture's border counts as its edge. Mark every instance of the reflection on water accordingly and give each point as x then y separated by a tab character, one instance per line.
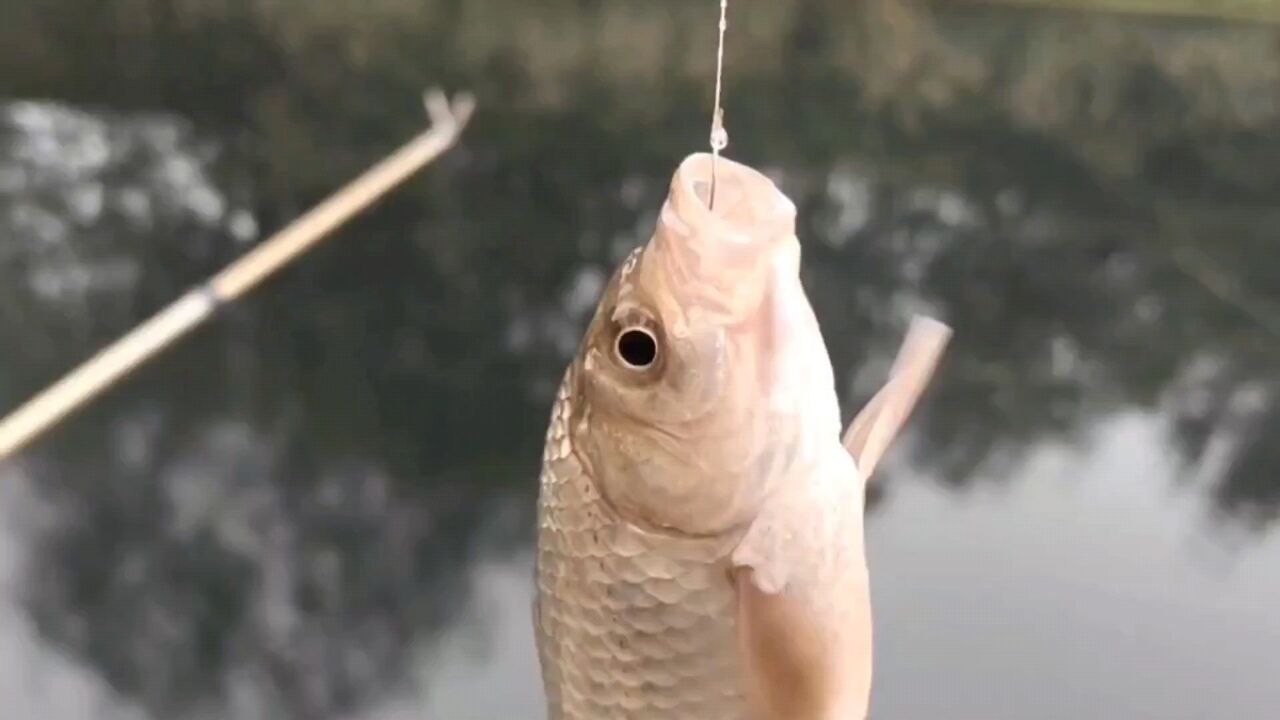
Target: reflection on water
36	680
320	505
1085	589
463	674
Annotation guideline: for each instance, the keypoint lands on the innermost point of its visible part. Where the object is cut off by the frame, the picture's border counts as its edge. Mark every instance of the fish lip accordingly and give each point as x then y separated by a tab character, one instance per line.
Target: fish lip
749	207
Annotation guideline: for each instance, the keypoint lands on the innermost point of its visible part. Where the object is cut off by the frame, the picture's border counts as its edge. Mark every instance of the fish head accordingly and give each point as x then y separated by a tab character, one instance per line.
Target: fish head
703	373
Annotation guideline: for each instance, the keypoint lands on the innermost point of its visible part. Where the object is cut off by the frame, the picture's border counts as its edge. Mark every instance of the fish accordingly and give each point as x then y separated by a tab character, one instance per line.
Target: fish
700	548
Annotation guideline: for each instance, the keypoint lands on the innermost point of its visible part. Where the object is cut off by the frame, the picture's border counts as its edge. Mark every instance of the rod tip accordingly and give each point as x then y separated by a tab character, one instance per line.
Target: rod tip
446	114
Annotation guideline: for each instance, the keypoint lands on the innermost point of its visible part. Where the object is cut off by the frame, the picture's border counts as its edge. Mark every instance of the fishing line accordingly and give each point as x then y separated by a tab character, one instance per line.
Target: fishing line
719	136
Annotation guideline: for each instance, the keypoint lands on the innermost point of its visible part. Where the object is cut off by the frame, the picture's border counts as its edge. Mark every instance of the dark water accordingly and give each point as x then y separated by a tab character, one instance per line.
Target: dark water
320	505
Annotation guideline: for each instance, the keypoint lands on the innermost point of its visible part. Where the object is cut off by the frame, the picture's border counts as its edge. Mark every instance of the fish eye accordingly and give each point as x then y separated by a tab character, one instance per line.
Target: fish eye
637	348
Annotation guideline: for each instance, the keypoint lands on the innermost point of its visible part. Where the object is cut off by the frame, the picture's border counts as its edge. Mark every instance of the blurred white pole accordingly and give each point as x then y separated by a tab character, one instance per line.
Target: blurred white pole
102	370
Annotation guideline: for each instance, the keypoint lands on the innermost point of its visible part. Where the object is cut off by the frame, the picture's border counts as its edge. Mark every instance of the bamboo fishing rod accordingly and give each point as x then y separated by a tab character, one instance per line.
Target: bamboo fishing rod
199	303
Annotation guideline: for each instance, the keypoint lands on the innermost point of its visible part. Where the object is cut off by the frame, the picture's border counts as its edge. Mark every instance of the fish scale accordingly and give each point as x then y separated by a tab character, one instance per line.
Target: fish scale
632	624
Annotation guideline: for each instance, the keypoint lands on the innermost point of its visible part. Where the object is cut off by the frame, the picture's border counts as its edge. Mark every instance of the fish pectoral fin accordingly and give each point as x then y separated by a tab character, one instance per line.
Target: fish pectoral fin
804	660
875	428
803	600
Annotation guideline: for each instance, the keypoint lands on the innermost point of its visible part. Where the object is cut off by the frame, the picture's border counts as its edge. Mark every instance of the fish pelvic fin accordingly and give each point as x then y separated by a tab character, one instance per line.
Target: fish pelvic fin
875	428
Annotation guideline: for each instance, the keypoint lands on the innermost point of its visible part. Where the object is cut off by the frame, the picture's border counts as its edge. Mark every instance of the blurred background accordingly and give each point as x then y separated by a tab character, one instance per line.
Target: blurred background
320	506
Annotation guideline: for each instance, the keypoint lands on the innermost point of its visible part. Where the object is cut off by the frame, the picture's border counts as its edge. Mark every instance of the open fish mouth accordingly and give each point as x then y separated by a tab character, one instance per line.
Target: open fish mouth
746	205
719	255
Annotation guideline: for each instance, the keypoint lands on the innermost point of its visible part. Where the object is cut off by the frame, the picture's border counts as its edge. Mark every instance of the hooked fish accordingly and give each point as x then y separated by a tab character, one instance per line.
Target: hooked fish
700	544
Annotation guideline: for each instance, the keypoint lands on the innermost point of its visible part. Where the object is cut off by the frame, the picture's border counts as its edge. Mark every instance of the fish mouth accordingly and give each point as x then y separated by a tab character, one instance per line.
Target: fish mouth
742	206
720	246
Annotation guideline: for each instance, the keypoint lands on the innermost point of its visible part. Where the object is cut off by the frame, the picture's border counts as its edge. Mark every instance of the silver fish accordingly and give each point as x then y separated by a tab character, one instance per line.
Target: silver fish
700	547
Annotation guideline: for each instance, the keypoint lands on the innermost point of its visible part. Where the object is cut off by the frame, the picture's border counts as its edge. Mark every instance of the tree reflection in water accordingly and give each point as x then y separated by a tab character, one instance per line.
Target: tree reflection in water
271	519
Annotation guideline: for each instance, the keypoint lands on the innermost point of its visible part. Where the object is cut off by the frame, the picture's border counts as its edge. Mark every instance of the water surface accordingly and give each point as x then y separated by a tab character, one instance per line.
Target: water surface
321	504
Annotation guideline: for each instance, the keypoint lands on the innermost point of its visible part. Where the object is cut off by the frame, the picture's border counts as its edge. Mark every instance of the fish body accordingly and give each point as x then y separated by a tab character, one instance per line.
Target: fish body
632	622
700	518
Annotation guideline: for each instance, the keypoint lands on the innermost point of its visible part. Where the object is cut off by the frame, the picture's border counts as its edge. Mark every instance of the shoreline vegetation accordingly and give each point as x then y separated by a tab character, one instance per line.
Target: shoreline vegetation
1267	11
1110	89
